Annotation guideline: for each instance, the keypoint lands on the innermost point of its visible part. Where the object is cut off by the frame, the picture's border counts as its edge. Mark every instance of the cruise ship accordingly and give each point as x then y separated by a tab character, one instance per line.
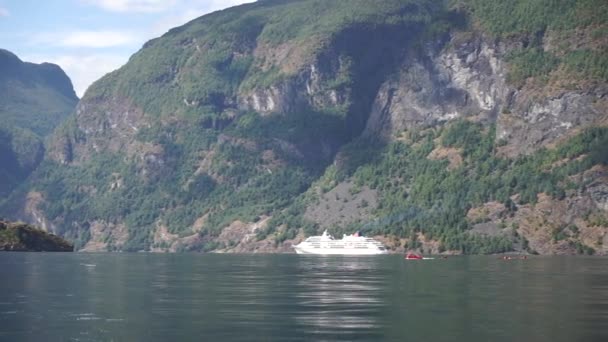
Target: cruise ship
349	245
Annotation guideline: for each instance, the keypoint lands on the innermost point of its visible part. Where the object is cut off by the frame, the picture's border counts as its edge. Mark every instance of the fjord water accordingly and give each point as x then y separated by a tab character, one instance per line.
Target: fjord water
198	297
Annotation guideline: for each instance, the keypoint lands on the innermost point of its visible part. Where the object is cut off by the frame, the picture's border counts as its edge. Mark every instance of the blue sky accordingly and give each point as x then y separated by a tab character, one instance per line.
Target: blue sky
89	38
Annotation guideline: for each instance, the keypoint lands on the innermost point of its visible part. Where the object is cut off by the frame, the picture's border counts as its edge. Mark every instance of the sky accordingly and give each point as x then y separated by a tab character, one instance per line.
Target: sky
89	38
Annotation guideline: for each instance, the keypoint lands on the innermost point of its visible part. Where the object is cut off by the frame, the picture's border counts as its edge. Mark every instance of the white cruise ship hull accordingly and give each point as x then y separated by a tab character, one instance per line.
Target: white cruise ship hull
338	251
348	245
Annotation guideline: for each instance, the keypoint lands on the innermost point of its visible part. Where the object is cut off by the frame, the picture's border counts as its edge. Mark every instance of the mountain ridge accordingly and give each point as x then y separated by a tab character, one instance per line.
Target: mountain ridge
36	98
289	112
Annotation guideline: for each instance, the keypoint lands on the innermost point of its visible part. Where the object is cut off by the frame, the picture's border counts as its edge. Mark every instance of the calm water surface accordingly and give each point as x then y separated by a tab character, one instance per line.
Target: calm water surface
195	297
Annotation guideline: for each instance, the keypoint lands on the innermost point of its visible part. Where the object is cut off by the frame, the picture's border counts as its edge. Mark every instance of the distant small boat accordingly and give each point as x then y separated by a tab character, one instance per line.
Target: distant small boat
413	256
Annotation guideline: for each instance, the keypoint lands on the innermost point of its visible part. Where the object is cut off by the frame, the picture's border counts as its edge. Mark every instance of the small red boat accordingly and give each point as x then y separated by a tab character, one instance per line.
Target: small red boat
413	256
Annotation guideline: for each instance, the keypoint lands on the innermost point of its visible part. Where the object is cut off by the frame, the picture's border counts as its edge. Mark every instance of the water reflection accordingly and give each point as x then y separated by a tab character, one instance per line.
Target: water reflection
134	297
339	296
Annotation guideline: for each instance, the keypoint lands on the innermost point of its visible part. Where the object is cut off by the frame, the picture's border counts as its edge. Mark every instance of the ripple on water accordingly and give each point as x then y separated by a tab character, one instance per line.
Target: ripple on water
115	319
88	316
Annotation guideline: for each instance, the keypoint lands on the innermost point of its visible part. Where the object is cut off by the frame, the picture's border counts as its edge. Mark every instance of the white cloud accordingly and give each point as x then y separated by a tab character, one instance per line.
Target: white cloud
169	22
98	39
86	39
195	10
145	6
83	70
4	12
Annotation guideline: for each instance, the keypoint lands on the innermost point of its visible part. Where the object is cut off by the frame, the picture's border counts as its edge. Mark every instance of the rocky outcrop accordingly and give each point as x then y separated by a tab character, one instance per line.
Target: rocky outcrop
20	237
446	82
308	89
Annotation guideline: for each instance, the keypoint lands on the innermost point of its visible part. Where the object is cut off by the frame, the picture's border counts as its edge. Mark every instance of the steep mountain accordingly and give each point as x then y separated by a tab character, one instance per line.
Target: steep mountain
461	126
35	99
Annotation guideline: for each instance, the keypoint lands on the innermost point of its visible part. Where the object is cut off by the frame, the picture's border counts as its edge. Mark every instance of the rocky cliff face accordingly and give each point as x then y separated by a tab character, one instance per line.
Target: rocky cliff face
467	77
242	131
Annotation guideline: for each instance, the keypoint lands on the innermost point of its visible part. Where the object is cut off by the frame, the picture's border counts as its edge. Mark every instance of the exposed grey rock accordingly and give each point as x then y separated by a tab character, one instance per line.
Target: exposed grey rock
342	205
459	81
